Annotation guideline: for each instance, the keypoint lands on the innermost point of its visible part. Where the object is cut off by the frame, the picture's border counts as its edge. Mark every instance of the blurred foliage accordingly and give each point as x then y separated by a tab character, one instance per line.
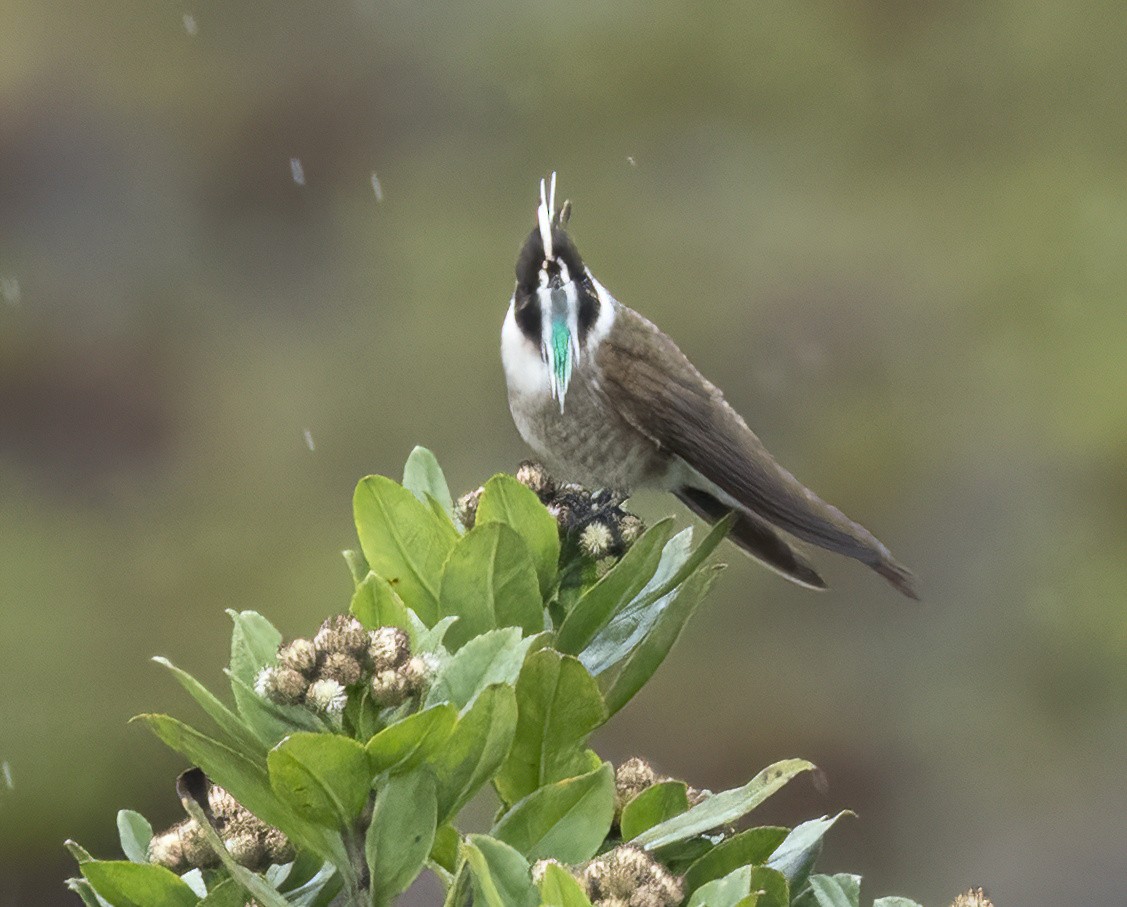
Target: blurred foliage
902	224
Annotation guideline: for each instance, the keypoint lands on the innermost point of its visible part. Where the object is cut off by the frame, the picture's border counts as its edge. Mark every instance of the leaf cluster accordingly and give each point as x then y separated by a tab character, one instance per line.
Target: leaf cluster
531	649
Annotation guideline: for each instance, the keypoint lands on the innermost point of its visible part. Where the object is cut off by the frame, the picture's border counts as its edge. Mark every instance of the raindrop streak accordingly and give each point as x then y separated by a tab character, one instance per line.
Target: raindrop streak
10	290
6	771
297	171
376	187
309	440
190	25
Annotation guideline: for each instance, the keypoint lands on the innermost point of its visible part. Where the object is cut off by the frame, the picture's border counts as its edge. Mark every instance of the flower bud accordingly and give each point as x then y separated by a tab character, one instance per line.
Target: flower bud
341	633
630	529
390	688
466	507
631	778
596	540
299	655
629	876
278	847
284	686
344	669
246	848
535	477
975	897
388	647
166	849
326	695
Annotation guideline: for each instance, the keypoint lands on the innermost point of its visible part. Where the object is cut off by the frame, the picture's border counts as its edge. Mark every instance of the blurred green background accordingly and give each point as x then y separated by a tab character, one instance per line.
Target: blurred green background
893	232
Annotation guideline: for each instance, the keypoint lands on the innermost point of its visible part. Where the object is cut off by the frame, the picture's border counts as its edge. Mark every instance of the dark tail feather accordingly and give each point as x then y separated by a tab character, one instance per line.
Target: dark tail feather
901	578
755	536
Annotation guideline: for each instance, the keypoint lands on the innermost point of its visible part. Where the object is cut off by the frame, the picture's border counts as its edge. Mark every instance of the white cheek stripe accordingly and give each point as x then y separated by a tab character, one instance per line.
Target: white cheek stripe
607	306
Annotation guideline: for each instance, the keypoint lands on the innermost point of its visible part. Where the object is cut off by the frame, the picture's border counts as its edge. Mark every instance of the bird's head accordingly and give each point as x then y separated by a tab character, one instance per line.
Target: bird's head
557	300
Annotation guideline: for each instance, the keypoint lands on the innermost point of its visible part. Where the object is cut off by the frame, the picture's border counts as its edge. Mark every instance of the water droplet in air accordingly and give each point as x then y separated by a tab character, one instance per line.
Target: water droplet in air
376	187
10	290
190	25
309	440
297	171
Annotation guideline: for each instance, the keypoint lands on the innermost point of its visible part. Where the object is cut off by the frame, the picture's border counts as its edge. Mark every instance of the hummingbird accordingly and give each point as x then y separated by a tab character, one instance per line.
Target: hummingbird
606	399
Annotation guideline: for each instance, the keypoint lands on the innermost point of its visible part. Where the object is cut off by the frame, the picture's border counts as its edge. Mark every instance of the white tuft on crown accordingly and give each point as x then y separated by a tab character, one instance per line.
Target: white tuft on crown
545	214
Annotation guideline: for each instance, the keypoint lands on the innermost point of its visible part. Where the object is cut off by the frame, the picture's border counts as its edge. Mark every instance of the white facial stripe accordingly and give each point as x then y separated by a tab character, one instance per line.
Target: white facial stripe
605	319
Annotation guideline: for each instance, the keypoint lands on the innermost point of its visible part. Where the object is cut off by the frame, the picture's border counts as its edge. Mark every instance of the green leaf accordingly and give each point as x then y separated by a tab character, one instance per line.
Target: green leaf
622	583
126	884
493	657
423	477
401	833
559	705
501	876
559	888
631	624
754	886
657	803
254	644
795	857
270	721
135	833
641	664
404	541
228	893
357	565
723	808
748	848
505	500
375	604
489	581
239	735
86	891
479	744
567	820
833	891
76	850
404	745
324	777
246	780
444	851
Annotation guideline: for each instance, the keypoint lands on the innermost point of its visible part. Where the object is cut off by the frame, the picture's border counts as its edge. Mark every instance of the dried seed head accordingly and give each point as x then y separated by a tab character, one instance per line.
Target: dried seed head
534	476
277	846
630	529
388	647
541	866
246	848
390	688
466	507
628	875
300	655
596	540
197	852
223	806
973	898
166	849
326	695
284	686
344	669
416	672
631	778
341	633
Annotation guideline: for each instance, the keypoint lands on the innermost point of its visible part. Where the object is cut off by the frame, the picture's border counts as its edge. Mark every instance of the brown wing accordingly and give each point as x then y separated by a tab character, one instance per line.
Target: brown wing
655	388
